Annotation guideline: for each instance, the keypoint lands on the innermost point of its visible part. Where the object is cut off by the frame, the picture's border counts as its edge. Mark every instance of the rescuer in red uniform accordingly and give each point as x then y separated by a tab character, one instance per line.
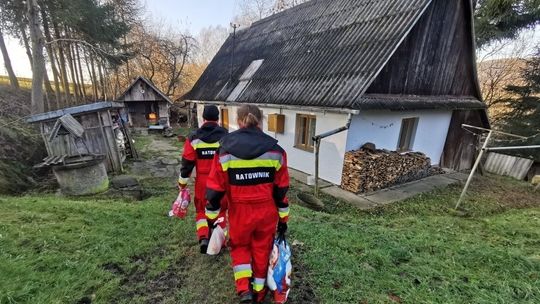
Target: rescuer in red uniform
199	151
250	169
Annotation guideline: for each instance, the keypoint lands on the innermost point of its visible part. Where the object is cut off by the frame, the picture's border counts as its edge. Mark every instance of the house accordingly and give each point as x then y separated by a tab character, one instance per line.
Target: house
403	72
103	133
147	106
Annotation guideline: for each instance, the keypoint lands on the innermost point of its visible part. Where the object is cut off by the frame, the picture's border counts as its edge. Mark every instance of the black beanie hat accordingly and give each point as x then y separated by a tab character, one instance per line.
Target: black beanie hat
211	113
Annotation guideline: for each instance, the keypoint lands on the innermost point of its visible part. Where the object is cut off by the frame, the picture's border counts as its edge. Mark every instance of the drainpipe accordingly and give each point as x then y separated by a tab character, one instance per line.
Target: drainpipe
317	140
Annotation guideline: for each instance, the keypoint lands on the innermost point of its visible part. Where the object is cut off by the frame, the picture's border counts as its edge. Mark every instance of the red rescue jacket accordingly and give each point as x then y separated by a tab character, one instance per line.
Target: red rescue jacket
200	148
250	167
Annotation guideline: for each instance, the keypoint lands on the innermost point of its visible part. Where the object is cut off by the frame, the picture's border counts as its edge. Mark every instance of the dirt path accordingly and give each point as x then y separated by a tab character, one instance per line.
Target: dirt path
189	277
158	158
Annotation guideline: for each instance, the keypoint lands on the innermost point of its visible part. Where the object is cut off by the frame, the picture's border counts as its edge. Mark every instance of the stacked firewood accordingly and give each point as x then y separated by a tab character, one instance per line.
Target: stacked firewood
369	169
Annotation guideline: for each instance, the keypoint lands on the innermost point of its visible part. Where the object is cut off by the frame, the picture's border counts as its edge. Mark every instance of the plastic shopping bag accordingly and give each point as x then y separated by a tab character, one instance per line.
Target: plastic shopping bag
217	239
280	269
181	204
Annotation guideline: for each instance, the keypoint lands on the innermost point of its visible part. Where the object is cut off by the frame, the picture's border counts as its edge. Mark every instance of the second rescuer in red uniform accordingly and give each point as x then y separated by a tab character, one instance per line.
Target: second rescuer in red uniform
199	151
250	168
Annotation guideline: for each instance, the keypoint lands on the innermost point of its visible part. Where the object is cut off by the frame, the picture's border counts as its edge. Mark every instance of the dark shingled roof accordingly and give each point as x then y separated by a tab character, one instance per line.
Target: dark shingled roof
323	53
78	110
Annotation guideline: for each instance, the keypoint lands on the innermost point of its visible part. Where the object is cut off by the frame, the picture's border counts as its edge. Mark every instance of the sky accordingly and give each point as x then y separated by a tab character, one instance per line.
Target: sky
191	15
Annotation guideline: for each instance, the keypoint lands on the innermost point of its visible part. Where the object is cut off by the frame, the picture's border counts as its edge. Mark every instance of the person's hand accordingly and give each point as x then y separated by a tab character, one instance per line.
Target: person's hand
182	182
281	228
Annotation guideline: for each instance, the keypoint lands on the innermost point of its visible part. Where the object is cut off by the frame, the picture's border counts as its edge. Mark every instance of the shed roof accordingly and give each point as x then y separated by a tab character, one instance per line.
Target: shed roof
322	53
150	84
88	108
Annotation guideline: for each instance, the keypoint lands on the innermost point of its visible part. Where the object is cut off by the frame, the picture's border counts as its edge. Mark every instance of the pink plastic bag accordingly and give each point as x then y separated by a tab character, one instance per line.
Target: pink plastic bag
181	204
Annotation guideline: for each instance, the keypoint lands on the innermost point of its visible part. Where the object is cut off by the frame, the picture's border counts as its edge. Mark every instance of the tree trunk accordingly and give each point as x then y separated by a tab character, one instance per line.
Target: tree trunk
62	64
47	83
26	43
69	58
92	72
77	76
7	62
50	51
38	68
48	89
117	83
81	75
102	82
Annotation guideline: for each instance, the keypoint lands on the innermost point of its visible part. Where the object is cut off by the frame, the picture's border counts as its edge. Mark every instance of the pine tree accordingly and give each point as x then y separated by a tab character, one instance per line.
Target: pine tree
523	117
504	19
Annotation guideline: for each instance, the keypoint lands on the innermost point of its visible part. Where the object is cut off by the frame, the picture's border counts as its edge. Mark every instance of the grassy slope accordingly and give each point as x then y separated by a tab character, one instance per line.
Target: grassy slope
56	250
421	251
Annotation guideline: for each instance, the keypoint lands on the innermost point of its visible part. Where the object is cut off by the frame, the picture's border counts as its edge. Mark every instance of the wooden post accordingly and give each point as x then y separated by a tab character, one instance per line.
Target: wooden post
476	164
114	167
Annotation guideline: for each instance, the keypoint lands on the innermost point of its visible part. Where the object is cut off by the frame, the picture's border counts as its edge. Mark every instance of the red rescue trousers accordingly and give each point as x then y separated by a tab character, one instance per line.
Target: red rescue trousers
201	222
251	229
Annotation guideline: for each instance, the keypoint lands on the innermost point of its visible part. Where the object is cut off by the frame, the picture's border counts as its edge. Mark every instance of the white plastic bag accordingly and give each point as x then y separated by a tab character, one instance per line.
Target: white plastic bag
279	270
217	239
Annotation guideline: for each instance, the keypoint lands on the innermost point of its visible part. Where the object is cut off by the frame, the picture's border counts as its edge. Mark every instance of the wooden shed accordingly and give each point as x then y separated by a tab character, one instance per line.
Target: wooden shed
104	133
147	105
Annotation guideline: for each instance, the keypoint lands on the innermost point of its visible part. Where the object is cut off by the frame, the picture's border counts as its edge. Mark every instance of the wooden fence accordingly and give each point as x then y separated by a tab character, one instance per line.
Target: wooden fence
506	165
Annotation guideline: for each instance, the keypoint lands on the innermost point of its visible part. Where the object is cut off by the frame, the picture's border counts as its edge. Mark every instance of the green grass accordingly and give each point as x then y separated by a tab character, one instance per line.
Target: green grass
421	251
26	83
60	250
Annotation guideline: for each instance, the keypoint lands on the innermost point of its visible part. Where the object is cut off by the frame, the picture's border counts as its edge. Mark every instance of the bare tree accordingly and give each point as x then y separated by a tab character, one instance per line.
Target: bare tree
7	62
254	10
209	41
500	66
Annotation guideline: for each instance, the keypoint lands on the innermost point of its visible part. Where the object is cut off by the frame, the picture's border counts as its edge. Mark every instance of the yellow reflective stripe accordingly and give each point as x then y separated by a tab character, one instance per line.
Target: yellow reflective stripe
258	284
202	224
242	274
212	214
258	287
253	163
283	212
203	145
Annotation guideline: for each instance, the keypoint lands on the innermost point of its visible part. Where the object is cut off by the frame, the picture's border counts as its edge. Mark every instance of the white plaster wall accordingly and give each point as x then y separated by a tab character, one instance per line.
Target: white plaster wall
383	127
332	148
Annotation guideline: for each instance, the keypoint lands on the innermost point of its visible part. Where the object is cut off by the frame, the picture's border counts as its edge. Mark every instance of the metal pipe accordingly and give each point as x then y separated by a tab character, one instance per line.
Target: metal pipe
317	139
513	148
476	164
488	130
278	106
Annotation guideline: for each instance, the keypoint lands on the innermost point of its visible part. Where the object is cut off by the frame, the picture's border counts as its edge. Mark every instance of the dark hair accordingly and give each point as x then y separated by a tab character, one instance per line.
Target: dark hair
250	115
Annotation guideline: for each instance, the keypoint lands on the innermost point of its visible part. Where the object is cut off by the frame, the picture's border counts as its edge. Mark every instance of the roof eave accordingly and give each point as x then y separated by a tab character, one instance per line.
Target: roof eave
78	110
279	106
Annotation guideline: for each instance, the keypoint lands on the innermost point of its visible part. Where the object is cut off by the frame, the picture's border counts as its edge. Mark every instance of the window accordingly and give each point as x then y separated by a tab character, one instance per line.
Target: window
305	130
225	118
407	134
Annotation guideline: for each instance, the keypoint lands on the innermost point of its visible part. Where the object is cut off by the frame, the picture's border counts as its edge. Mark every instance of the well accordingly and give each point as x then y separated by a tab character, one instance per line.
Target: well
85	175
